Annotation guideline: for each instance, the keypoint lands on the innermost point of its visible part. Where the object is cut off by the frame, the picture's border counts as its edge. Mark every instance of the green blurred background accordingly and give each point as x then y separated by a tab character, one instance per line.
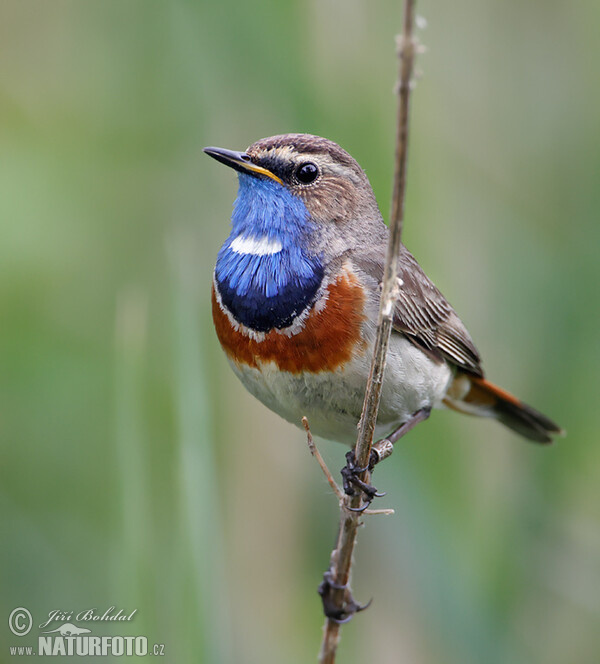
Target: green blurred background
135	470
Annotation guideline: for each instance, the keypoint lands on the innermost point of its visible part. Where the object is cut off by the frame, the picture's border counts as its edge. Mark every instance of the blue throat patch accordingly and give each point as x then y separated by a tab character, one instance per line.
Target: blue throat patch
267	288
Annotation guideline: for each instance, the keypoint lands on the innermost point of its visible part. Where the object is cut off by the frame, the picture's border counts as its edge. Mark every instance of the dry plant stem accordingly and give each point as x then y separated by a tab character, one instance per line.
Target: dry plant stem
315	452
407	46
341	559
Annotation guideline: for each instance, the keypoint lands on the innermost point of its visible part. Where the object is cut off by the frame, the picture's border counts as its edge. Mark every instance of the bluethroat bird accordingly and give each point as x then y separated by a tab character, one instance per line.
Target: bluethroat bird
296	293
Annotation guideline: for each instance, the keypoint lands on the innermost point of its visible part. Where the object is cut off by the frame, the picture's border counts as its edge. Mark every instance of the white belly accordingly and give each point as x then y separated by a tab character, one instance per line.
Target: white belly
332	401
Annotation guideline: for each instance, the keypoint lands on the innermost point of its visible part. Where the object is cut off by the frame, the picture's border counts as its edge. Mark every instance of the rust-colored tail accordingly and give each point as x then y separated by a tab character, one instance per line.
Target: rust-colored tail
477	396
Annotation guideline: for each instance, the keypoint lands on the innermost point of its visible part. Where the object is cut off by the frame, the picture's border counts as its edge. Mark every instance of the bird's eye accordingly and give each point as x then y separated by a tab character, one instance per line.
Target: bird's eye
307	172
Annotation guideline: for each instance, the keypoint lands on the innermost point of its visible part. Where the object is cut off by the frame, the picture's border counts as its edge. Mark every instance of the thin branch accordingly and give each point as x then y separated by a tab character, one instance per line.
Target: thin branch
407	46
341	558
315	452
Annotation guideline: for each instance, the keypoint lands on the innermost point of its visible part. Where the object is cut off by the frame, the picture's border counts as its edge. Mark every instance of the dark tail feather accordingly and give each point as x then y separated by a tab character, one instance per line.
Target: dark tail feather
486	399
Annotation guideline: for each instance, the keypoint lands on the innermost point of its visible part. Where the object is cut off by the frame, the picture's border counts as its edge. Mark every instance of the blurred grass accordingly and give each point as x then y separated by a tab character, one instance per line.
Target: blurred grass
129	471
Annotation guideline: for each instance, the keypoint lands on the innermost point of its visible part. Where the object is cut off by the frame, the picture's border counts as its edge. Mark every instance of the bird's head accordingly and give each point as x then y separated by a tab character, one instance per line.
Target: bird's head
329	182
303	205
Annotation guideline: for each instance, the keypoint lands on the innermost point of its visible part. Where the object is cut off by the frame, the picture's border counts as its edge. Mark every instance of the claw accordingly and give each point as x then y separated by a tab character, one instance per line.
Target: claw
352	483
339	613
351	463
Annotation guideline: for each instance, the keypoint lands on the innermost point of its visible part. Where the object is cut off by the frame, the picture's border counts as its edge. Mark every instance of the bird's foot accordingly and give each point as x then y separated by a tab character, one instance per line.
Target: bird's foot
352	483
339	609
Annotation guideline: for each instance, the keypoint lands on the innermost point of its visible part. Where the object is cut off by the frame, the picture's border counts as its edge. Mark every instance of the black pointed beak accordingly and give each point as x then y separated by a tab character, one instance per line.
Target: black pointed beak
240	161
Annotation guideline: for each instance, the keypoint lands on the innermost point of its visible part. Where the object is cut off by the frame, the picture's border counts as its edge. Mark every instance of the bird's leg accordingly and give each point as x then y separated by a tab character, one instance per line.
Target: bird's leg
380	451
420	416
338	612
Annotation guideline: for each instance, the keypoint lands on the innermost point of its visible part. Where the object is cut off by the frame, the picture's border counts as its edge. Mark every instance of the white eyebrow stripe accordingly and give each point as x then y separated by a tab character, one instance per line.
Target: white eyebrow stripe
257	246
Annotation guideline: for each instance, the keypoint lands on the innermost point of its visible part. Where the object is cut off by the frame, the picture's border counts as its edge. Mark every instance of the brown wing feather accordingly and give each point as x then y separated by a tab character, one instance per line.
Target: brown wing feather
424	315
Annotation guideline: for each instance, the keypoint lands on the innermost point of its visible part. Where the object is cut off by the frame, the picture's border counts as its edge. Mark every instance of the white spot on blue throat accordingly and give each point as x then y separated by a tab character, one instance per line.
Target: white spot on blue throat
257	246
